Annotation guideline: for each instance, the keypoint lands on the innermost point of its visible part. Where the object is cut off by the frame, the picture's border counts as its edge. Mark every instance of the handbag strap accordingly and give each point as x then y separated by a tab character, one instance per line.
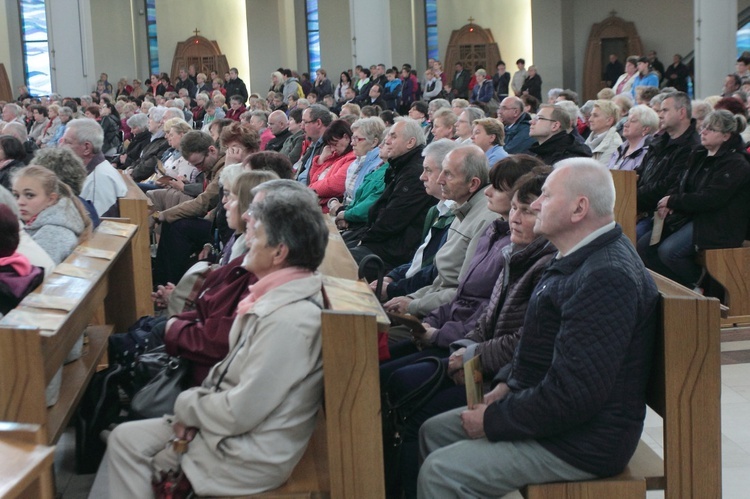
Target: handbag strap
418	397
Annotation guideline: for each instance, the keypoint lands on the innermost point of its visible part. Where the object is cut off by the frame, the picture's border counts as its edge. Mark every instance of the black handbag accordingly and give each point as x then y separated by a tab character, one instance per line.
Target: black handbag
158	396
397	412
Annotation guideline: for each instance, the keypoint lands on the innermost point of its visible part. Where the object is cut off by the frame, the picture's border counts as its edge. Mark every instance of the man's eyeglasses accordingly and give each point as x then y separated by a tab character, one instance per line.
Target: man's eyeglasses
200	164
542	118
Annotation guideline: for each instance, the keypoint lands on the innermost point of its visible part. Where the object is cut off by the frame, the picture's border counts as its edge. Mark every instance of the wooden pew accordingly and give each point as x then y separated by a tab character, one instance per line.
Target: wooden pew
134	207
31	353
731	268
25	462
686	395
626	206
345	456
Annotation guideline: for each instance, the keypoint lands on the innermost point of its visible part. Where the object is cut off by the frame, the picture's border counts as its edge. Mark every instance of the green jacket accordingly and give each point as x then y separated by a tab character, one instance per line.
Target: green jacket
371	189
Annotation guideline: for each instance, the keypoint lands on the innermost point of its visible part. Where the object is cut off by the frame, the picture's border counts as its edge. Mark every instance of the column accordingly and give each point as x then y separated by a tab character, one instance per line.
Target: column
715	44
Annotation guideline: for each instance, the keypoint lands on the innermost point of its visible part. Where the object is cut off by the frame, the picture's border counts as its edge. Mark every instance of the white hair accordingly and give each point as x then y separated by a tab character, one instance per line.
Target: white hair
593	181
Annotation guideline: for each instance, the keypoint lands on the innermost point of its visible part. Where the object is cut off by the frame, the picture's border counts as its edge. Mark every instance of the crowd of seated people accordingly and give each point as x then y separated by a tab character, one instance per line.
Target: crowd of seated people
431	176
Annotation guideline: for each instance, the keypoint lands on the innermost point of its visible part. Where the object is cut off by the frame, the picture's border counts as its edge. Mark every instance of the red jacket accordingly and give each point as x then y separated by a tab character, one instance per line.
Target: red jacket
202	335
328	179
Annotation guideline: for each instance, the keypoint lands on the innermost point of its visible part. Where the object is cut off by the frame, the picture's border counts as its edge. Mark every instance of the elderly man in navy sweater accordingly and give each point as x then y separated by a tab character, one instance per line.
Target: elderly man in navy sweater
571	404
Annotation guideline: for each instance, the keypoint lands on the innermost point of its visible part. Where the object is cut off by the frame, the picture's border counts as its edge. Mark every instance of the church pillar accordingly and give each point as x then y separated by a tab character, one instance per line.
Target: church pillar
71	44
552	42
715	45
371	31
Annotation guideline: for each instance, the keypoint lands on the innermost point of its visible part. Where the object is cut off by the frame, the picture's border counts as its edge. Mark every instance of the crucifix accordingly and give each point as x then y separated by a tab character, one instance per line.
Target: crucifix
196	31
471	20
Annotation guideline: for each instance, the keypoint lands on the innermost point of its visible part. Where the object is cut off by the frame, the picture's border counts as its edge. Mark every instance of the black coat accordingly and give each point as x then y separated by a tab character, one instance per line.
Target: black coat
560	146
236	87
663	165
533	85
145	166
714	192
135	148
579	374
396	219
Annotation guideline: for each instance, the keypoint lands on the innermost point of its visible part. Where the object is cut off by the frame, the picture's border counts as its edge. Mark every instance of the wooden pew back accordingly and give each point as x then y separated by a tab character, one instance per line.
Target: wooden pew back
31	355
626	203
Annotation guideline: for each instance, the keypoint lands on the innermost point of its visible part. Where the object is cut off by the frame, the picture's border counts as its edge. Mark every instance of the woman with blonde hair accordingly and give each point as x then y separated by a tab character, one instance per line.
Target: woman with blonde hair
604	139
52	215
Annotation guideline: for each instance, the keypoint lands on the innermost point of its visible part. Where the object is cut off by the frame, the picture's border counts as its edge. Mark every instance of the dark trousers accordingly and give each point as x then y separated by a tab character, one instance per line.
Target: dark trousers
179	240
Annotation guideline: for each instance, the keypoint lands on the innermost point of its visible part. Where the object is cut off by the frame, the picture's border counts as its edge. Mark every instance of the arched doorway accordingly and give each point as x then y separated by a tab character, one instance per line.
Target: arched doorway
204	53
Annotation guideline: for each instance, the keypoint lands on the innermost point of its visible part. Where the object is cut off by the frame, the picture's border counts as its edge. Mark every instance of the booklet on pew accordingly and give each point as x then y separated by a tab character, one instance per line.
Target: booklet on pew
474	382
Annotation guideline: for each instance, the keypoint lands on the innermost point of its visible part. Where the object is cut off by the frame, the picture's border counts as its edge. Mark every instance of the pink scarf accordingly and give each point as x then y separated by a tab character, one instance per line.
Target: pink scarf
19	263
268	283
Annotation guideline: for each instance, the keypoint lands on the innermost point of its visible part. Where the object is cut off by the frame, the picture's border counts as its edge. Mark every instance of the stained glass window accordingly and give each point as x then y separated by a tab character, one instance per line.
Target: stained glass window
431	29
313	36
36	63
153	45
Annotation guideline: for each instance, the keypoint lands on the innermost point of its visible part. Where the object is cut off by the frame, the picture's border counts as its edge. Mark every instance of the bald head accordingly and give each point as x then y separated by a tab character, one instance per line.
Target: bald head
278	122
577	199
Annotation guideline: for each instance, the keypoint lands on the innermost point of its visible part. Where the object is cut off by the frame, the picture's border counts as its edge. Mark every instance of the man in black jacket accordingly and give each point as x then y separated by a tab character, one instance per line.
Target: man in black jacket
235	86
571	404
666	158
396	220
554	143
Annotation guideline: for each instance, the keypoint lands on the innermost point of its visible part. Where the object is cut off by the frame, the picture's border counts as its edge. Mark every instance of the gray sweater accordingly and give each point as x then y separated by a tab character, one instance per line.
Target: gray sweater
57	229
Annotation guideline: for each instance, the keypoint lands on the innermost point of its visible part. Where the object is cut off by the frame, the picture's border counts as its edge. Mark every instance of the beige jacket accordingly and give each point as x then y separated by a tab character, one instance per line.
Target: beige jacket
201	205
254	427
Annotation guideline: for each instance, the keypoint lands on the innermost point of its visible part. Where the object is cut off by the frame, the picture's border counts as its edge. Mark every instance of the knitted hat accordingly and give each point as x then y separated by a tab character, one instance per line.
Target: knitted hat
8	231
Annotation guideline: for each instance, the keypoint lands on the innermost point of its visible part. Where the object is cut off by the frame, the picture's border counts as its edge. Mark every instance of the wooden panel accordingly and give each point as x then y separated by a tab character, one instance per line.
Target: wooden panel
692	423
25	469
352	398
21	390
135	207
731	268
607	488
338	261
626	201
76	374
6	92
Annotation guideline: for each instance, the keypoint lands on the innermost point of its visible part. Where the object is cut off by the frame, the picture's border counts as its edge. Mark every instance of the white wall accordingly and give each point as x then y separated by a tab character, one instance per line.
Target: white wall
222	20
74	71
335	37
509	21
115	30
371	26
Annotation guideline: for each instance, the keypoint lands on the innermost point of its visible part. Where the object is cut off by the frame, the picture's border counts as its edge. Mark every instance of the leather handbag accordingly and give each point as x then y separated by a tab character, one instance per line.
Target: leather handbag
158	396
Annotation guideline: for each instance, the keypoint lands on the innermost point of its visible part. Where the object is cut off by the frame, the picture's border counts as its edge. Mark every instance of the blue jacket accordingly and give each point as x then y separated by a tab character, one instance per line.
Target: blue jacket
392	94
483	92
650	80
517	138
579	374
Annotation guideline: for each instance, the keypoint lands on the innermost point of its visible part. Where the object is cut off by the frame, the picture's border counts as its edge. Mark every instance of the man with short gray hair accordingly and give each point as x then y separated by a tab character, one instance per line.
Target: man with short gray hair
104	184
571	404
394	226
463	181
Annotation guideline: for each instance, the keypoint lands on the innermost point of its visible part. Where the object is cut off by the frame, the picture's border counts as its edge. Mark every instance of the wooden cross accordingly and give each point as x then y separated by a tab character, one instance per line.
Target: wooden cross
196	31
471	20
613	13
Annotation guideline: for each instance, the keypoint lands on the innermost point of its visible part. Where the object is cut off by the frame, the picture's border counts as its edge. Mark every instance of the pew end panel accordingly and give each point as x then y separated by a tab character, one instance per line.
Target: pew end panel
25	462
626	202
731	268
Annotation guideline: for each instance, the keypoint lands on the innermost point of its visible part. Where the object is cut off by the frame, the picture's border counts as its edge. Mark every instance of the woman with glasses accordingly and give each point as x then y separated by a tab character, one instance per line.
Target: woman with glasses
710	208
328	171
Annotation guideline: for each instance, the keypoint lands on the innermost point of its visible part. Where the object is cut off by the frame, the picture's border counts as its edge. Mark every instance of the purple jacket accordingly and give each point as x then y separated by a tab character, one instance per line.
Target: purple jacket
456	319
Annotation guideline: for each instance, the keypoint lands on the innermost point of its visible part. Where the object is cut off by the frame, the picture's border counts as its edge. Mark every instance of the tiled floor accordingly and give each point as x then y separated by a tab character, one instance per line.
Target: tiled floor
735	428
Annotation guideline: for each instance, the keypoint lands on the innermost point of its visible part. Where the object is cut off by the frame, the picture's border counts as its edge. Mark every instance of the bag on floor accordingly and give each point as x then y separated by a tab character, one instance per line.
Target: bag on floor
157	398
145	335
99	408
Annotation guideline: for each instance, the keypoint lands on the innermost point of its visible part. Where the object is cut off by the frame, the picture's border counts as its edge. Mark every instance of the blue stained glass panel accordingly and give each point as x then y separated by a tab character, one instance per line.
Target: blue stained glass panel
430	7
151	30
432	42
35	46
313	42
743	39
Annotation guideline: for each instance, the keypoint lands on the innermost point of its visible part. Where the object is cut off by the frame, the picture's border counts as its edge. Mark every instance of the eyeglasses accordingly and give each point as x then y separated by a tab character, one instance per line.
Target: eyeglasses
707	128
542	118
199	165
306	122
